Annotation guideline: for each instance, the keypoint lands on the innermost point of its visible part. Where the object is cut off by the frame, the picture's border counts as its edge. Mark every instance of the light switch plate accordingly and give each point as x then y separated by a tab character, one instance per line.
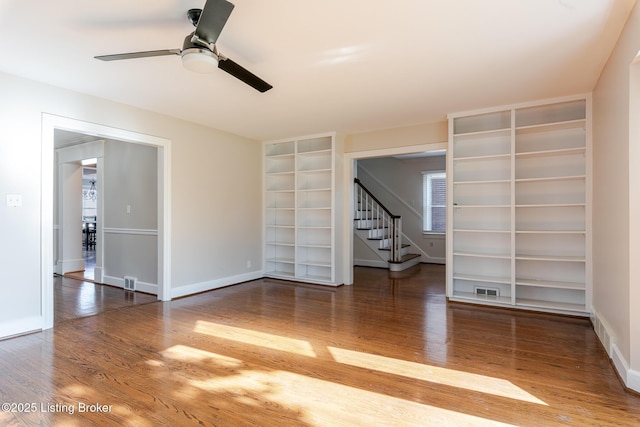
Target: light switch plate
14	200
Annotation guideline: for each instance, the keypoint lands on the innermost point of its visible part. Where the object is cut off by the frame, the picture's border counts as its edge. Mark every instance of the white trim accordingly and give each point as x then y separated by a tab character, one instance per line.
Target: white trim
21	326
51	122
370	263
215	284
64	266
46	228
619	362
75	154
633	380
150	288
79	152
630	377
427	204
131	231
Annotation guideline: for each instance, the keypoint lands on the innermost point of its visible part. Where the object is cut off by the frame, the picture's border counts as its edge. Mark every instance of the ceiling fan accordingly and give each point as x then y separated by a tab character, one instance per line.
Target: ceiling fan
199	52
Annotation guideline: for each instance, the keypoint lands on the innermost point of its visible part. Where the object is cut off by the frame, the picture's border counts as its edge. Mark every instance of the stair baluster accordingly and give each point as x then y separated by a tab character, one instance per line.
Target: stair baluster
383	223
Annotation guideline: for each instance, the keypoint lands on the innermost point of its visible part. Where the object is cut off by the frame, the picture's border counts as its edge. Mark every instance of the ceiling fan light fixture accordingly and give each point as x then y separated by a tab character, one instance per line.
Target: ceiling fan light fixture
199	60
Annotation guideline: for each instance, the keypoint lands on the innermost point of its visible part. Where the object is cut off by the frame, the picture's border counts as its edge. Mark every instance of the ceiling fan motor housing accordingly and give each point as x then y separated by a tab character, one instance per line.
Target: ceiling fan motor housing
198	58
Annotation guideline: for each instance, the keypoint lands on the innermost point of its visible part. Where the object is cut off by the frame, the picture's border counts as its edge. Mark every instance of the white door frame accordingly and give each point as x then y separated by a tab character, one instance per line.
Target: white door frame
349	173
75	154
49	124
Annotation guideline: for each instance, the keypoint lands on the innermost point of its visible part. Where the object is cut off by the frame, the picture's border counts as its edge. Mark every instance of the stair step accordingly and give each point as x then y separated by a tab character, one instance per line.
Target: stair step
405	258
407	261
404	245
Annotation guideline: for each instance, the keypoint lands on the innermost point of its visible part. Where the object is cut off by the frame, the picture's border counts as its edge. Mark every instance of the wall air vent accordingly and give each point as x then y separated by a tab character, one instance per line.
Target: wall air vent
130	283
487	292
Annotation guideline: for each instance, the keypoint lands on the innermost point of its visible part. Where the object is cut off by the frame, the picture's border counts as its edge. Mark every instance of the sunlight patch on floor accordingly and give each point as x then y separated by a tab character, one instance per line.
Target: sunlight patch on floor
189	354
325	403
433	374
262	339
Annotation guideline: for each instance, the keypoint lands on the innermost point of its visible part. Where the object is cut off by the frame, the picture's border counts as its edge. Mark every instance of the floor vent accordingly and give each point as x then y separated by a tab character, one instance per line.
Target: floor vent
487	292
130	283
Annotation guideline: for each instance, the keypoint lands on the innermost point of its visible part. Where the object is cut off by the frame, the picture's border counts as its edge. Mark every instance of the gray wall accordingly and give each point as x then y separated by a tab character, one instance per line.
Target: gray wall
130	212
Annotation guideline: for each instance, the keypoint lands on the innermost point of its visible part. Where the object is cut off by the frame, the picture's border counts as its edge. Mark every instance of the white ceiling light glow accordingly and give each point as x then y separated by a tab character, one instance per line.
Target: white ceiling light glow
199	60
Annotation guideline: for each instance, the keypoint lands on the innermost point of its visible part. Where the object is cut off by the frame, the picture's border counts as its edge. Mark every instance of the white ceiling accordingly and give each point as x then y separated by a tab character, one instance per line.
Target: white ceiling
336	65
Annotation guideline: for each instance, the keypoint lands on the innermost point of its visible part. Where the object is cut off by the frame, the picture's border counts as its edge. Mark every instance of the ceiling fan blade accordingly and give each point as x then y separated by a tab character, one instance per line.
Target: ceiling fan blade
132	55
212	19
241	73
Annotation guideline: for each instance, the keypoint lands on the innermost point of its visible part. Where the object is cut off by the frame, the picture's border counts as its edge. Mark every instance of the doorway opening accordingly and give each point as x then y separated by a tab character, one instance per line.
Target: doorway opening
89	217
351	172
162	148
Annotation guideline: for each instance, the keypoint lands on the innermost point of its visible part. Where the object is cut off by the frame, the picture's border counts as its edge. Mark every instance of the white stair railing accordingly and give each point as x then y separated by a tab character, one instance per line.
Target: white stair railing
379	219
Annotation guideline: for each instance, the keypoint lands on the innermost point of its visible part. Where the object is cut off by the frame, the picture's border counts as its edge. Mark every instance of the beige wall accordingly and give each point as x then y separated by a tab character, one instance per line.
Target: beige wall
616	272
216	195
400	137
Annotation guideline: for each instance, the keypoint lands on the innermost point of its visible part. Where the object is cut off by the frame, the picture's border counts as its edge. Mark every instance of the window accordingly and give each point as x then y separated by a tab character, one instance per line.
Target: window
434	201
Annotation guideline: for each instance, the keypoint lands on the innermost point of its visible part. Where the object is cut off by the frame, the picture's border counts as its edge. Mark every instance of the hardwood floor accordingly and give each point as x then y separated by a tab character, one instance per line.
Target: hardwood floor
388	351
74	298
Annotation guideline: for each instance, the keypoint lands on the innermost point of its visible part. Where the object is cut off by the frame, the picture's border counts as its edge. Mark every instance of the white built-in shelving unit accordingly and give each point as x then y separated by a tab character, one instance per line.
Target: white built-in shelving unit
519	185
300	206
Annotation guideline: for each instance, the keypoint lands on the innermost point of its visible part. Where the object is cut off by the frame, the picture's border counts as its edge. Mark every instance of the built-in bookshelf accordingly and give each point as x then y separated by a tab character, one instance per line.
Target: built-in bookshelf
300	209
519	186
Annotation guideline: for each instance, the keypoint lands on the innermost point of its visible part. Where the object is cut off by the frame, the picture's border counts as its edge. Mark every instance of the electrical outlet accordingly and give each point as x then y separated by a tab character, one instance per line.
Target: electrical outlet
249	264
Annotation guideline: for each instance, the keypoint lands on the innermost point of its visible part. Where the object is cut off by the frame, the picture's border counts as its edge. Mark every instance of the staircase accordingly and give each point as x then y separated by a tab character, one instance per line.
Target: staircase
381	230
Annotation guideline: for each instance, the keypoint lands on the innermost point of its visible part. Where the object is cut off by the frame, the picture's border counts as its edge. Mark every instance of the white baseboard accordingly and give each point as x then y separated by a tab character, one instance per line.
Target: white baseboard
98	274
214	284
20	326
150	288
602	331
68	265
432	260
633	380
619	362
630	377
370	263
